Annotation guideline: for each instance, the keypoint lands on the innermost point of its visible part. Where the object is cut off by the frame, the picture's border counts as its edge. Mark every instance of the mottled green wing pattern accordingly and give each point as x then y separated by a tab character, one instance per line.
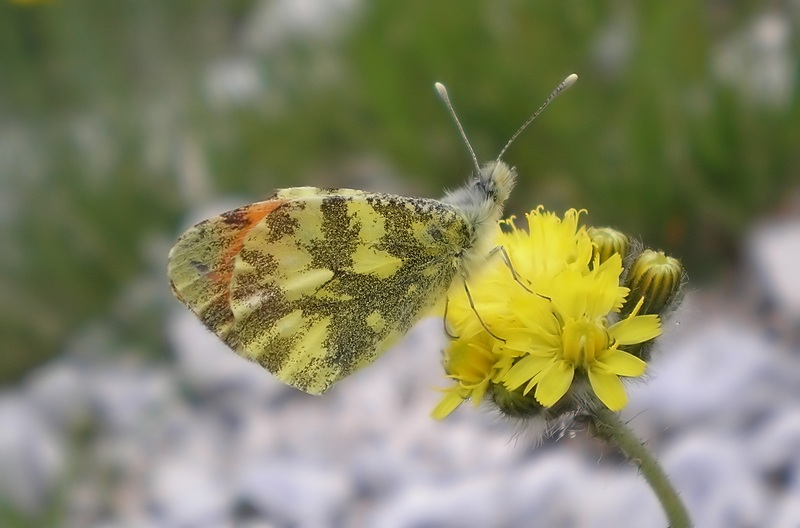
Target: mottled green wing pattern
329	280
201	263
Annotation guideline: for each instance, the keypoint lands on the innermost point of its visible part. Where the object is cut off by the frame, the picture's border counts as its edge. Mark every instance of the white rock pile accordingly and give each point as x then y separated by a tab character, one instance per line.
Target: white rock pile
210	440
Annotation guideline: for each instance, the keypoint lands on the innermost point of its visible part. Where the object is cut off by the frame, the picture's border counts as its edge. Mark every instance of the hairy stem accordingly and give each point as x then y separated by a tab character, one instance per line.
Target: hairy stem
610	428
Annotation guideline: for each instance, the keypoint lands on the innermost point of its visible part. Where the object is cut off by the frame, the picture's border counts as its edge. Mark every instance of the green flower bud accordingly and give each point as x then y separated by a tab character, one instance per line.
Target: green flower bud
607	242
656	277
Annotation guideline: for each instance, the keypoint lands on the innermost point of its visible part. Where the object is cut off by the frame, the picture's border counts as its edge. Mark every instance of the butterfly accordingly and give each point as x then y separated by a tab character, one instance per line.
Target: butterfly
314	284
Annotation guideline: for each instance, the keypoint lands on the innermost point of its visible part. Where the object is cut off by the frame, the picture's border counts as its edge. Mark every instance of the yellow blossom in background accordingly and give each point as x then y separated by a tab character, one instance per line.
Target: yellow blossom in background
552	321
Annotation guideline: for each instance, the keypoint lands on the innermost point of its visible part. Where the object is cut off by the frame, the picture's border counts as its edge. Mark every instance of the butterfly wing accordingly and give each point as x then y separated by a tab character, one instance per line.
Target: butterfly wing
323	281
200	265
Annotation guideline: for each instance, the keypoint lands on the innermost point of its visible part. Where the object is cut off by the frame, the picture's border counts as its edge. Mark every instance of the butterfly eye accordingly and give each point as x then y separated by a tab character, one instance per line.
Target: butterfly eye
486	188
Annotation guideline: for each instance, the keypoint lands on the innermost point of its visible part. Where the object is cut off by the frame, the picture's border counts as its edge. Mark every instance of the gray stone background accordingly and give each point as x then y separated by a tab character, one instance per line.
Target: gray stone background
211	440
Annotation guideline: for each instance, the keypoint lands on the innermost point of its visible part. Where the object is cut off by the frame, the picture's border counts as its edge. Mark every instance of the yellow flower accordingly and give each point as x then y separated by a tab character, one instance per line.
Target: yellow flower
471	363
545	319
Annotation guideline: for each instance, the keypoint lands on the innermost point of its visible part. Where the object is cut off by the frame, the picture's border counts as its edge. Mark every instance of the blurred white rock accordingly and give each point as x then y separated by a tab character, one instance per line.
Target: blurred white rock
188	491
557	489
295	492
127	396
59	390
776	444
723	372
32	456
774	250
716	478
209	366
786	513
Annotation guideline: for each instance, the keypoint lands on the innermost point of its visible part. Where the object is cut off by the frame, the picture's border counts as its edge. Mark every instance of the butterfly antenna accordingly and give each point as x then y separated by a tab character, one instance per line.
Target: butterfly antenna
566	83
443	94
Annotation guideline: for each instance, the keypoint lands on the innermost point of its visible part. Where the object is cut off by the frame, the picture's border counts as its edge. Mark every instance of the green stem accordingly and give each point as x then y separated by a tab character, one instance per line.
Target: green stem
612	429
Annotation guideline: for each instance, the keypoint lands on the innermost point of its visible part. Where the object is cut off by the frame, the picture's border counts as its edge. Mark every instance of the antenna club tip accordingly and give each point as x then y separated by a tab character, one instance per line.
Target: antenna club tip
570	80
440	88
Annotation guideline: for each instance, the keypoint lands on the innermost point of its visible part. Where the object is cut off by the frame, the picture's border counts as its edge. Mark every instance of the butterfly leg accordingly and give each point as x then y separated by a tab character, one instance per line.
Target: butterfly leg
514	274
472	305
444	320
507	261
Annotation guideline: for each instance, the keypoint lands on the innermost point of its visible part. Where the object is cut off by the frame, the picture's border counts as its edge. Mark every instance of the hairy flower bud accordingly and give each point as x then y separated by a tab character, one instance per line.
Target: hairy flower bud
656	277
607	242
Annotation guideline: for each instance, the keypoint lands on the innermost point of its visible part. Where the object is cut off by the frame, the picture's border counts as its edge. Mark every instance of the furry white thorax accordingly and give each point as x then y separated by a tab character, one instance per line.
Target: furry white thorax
481	202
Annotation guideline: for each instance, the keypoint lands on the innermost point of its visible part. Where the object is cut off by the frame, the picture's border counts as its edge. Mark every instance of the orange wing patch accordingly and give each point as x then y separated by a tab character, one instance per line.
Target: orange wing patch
241	221
201	263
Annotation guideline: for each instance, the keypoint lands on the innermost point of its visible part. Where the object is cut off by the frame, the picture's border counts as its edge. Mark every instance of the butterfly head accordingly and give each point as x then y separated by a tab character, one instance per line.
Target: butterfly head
481	199
495	182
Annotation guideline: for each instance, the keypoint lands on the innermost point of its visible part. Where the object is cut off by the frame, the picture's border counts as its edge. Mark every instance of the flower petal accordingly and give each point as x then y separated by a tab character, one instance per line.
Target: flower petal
554	383
622	363
636	329
605	293
479	391
609	389
448	404
569	295
525	369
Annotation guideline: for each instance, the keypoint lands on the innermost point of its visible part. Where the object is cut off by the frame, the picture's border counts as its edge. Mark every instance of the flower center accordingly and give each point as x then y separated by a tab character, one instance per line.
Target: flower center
582	341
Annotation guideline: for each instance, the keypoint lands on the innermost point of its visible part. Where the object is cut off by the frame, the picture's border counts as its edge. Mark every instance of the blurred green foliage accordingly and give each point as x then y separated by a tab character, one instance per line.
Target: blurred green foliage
118	119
